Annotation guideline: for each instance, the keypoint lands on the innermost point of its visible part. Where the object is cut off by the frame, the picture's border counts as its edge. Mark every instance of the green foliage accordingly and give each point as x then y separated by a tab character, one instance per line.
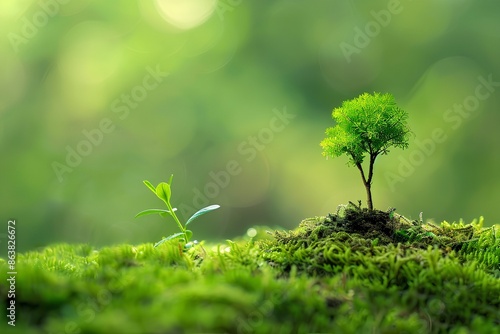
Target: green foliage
308	280
368	124
452	280
164	192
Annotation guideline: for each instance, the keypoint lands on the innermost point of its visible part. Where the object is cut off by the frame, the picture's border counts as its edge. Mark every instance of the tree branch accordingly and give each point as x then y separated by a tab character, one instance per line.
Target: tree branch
362	173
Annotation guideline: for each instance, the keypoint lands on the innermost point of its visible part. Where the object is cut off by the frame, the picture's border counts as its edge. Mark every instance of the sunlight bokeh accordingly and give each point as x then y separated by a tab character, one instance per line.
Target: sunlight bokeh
186	14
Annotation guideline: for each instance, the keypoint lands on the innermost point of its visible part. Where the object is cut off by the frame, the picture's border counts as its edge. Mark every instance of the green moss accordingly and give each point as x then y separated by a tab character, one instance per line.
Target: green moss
352	272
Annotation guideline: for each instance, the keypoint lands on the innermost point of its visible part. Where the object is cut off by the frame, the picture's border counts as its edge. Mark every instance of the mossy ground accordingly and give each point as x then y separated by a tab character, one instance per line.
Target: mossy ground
355	271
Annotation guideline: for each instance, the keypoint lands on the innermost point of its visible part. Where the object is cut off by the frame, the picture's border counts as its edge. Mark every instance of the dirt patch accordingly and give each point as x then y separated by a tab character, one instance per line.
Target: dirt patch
370	224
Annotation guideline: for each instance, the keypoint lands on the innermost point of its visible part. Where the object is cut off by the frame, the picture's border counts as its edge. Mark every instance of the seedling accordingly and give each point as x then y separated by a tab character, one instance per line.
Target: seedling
164	192
367	124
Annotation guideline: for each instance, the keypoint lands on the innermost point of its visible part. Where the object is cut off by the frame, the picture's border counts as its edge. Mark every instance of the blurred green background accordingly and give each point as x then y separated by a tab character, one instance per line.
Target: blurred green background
97	96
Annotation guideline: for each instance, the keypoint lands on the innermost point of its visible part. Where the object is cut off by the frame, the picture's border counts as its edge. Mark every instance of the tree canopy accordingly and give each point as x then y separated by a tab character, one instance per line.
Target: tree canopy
369	124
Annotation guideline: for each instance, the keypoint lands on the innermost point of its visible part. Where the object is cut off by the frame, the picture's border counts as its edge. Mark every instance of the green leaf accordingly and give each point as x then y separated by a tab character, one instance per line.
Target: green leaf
149	185
189	234
163	191
170	180
170	237
202	212
163	213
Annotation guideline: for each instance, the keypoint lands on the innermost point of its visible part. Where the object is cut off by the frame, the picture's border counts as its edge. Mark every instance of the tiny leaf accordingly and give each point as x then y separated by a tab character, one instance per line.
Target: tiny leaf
173	236
202	212
171	178
189	234
153	211
163	191
149	185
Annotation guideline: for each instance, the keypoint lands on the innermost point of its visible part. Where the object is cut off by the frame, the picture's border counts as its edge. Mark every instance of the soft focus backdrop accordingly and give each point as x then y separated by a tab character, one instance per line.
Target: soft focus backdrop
233	97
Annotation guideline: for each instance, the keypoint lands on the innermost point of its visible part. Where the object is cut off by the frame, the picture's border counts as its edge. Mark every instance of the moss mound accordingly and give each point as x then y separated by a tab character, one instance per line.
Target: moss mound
350	272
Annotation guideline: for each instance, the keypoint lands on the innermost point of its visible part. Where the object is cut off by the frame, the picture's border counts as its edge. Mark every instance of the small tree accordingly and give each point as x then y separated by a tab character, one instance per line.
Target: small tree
367	124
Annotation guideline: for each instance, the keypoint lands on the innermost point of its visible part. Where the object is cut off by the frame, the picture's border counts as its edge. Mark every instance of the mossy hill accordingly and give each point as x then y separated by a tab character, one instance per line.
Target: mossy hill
355	271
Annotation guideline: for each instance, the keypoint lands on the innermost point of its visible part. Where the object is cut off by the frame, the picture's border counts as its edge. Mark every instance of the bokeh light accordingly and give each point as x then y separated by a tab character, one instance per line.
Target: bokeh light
186	14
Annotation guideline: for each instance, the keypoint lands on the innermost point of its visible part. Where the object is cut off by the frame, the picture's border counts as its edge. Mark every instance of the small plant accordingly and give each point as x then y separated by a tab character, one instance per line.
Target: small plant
369	124
164	192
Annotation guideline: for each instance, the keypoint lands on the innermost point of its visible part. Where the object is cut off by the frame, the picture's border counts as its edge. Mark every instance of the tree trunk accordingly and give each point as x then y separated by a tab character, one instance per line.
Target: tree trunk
369	196
368	182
